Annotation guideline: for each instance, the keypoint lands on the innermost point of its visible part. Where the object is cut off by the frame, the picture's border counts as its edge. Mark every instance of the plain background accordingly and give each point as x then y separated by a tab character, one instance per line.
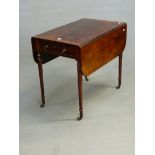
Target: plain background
108	123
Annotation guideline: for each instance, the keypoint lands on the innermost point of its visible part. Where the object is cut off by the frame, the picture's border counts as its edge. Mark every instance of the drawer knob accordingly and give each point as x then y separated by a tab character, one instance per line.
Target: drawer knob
45	47
64	50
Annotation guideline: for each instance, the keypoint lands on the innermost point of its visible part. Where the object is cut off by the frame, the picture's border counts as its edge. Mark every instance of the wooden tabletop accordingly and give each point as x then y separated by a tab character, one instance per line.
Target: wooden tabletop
80	32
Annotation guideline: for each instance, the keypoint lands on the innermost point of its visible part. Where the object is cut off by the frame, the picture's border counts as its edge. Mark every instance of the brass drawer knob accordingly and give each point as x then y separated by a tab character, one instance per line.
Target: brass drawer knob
64	50
45	47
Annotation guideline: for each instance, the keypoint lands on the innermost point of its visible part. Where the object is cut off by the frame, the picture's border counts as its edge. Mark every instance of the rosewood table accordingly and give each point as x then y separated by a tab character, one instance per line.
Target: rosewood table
92	43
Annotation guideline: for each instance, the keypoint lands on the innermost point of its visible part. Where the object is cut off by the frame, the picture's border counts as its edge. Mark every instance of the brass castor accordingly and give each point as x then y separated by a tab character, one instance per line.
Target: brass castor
119	84
86	78
43	102
118	87
42	105
80	117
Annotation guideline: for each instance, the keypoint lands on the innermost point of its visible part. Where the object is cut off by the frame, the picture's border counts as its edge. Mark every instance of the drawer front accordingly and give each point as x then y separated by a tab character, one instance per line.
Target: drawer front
57	49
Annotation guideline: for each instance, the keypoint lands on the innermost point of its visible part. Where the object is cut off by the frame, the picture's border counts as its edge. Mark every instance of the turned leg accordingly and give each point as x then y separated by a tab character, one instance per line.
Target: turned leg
40	68
86	78
120	71
80	91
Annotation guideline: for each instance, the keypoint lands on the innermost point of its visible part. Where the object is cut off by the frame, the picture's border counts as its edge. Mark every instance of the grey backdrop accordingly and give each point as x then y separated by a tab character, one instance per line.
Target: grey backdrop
108	124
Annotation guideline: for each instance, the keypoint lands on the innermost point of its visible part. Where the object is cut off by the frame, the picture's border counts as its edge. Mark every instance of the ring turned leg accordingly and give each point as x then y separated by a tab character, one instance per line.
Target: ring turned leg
120	71
80	91
40	68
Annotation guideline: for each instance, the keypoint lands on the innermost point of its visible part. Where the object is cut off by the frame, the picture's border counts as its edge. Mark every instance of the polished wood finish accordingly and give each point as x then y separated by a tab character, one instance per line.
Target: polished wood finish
103	50
40	68
119	71
92	43
56	49
80	90
80	32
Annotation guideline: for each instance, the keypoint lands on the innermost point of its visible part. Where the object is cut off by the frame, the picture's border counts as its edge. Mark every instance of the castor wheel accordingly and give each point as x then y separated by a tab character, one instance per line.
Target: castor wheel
118	87
80	117
42	105
86	78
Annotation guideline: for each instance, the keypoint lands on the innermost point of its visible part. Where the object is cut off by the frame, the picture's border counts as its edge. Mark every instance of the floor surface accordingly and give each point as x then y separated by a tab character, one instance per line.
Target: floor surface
108	123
